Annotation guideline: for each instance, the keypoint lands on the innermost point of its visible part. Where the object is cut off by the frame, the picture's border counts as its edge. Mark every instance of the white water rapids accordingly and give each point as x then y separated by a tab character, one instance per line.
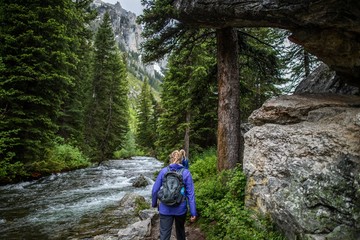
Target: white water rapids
74	204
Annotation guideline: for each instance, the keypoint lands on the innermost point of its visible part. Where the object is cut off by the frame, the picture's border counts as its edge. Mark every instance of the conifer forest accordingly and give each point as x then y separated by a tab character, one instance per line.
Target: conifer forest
67	98
64	88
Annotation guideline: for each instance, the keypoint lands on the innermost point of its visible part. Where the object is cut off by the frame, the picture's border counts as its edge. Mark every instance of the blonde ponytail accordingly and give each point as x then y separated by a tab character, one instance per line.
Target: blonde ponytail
183	153
175	157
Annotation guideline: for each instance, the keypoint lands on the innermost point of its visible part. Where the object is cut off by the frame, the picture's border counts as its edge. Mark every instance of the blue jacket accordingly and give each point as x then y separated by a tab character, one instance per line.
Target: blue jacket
185	163
189	193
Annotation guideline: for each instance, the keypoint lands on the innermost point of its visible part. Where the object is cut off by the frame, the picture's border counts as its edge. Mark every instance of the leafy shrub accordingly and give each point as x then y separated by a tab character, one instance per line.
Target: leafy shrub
62	157
220	202
126	153
204	165
11	171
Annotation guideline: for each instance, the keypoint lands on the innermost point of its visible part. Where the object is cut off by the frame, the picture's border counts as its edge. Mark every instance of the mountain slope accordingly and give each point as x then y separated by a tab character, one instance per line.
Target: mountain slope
128	36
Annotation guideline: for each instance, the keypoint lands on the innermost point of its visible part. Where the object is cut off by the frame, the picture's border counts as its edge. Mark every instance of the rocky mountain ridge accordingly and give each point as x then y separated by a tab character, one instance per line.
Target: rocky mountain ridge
128	36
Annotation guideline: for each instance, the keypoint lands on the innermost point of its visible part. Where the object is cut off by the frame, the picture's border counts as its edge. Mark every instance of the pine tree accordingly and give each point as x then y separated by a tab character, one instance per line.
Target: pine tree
189	101
164	35
260	68
108	112
145	135
190	89
72	118
36	49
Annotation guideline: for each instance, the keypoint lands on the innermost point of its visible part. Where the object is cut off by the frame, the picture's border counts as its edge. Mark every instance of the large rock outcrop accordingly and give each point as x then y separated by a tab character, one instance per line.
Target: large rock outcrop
329	29
323	80
302	161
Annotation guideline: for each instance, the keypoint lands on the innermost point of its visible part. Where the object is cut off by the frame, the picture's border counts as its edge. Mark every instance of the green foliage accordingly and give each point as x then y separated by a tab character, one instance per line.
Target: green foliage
156	19
129	148
36	73
42	45
140	204
9	169
203	164
220	202
72	116
108	109
146	118
189	89
259	68
61	158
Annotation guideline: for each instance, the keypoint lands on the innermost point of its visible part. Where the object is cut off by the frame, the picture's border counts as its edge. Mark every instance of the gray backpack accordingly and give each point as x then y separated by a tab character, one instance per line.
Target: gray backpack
171	192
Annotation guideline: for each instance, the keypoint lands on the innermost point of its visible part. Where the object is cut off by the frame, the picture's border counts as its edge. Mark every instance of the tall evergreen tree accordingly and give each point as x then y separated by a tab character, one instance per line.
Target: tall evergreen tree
108	109
37	52
146	131
165	35
260	68
190	89
189	101
72	118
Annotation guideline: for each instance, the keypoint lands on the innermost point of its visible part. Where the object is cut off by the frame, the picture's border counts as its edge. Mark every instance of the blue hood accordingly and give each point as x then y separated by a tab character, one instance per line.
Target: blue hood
175	167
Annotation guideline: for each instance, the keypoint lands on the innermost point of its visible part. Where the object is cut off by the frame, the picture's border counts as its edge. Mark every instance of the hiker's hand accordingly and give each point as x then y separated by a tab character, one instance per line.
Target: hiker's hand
192	219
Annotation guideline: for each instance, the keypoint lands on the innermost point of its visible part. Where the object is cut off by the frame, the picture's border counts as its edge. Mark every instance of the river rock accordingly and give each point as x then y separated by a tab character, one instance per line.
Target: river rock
140	181
105	237
130	200
130	205
136	231
148	213
305	173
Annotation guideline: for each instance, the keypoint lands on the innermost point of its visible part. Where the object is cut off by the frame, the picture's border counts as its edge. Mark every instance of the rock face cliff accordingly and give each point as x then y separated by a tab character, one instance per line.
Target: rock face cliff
126	30
128	36
303	165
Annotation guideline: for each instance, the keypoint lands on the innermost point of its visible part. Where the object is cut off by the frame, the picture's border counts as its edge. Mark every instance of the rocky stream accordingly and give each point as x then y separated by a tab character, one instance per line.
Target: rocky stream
79	204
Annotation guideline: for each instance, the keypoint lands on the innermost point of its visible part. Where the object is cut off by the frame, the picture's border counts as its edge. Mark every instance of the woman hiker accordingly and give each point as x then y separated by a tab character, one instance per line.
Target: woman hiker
176	207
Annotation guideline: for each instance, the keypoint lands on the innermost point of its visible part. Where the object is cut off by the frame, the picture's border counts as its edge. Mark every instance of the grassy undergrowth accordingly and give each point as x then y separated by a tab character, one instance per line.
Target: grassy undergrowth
220	203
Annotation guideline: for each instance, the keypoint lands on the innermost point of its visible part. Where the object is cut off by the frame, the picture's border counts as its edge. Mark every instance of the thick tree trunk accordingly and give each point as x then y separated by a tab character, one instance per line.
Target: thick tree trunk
228	143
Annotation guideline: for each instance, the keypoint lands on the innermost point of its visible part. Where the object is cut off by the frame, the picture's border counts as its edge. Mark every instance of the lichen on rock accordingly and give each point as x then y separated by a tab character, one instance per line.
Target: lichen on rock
305	174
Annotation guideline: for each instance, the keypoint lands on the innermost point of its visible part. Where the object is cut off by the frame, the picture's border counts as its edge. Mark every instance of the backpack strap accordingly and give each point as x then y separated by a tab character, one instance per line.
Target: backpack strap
181	171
